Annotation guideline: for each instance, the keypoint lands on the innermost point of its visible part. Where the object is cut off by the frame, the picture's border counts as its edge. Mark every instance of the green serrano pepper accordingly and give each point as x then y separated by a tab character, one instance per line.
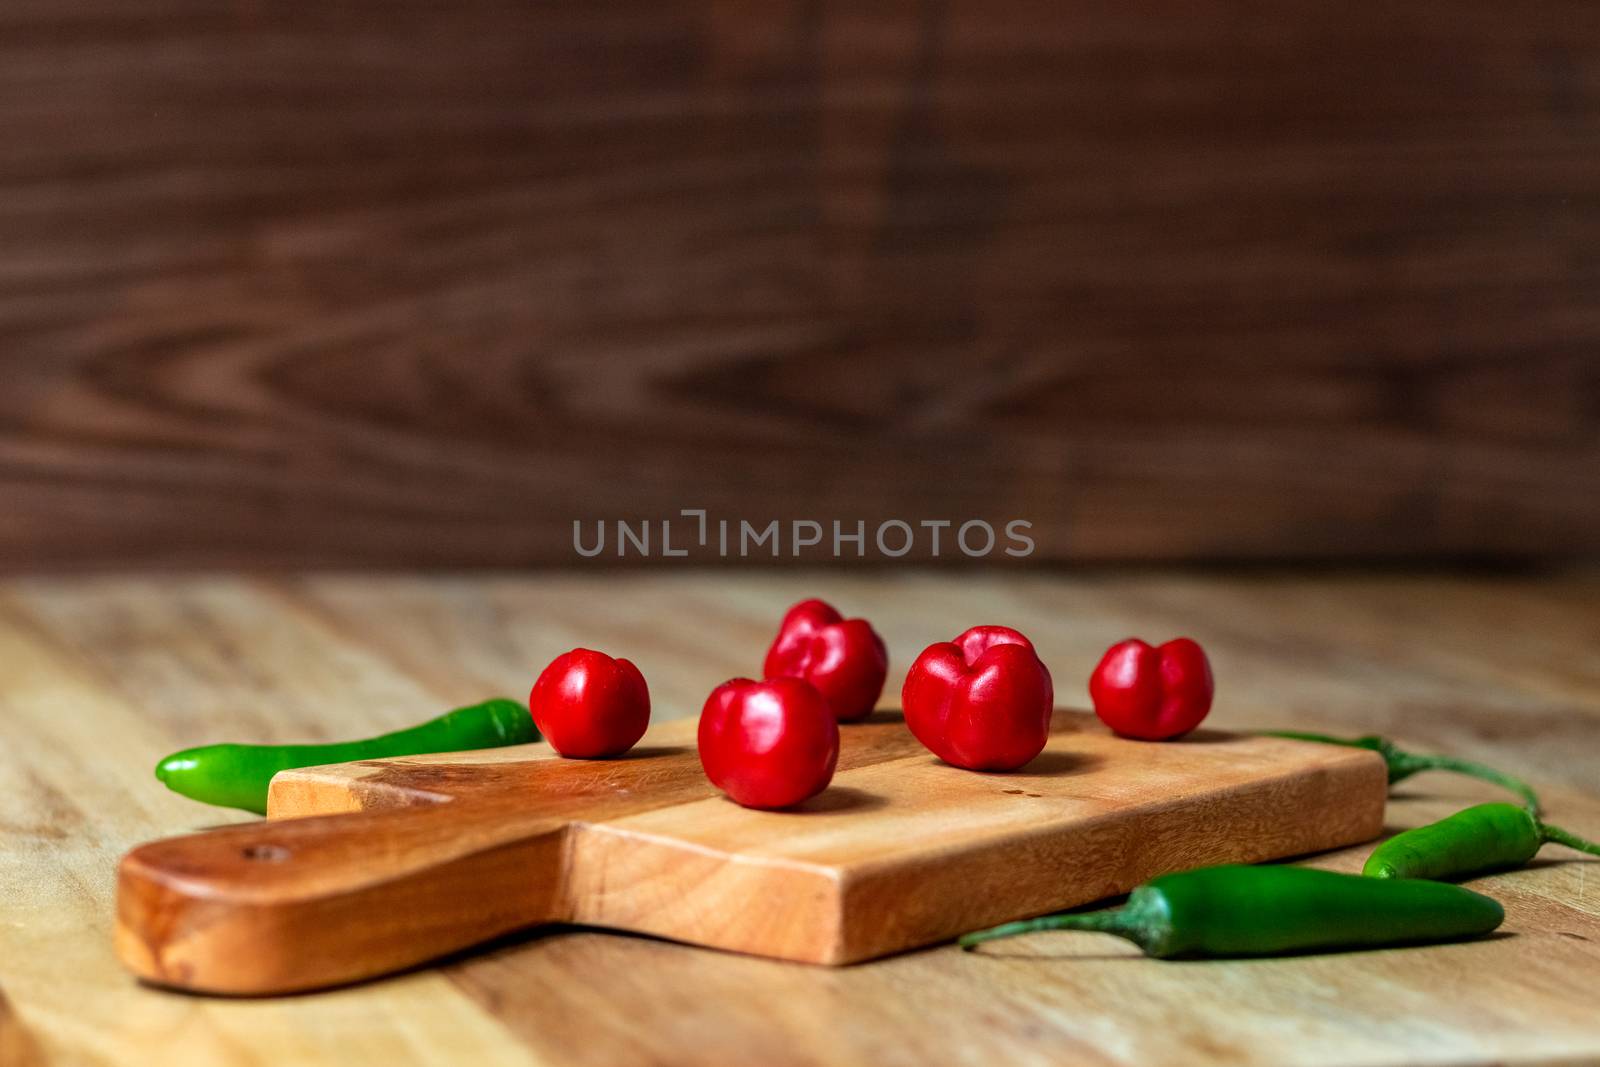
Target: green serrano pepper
1265	911
237	776
1487	837
1403	764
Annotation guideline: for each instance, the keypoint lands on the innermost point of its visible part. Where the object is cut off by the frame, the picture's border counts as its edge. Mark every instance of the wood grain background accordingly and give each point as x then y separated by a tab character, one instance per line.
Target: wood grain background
411	283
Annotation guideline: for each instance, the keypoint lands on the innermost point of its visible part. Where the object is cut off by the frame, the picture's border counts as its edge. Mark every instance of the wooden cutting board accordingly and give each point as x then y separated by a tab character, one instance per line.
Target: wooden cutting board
414	858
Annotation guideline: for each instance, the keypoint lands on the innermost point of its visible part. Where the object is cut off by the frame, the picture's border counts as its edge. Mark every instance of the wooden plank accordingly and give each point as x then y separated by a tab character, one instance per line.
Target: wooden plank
17	1047
410	283
901	851
85	723
104	676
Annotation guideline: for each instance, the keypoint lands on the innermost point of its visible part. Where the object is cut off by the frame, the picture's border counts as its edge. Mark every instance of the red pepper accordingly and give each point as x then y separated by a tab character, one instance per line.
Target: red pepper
588	705
768	744
982	701
1152	693
844	658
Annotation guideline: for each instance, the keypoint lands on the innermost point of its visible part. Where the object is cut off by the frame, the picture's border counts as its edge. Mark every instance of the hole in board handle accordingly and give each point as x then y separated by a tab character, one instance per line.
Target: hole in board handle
265	853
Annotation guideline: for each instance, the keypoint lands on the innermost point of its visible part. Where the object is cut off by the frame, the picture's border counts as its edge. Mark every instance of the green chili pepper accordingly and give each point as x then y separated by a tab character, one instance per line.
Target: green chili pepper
237	776
1265	911
1403	764
1487	837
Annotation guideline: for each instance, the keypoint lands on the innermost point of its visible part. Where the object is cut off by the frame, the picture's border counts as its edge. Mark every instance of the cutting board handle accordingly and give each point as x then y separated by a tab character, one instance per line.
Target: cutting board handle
281	906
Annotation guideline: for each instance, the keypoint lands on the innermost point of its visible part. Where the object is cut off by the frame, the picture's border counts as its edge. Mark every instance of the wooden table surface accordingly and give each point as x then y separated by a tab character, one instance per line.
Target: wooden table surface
99	677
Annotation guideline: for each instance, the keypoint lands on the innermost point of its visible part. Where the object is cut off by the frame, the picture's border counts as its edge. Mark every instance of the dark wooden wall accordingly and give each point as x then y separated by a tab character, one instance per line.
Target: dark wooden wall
416	282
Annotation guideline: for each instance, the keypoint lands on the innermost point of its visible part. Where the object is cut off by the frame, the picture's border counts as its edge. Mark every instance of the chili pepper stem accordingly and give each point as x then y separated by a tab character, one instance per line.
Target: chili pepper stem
1571	840
1407	764
1403	764
1119	921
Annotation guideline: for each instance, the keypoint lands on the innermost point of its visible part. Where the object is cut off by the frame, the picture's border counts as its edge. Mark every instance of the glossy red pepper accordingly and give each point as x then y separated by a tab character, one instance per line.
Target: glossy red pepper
844	658
588	705
982	701
768	744
1152	693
